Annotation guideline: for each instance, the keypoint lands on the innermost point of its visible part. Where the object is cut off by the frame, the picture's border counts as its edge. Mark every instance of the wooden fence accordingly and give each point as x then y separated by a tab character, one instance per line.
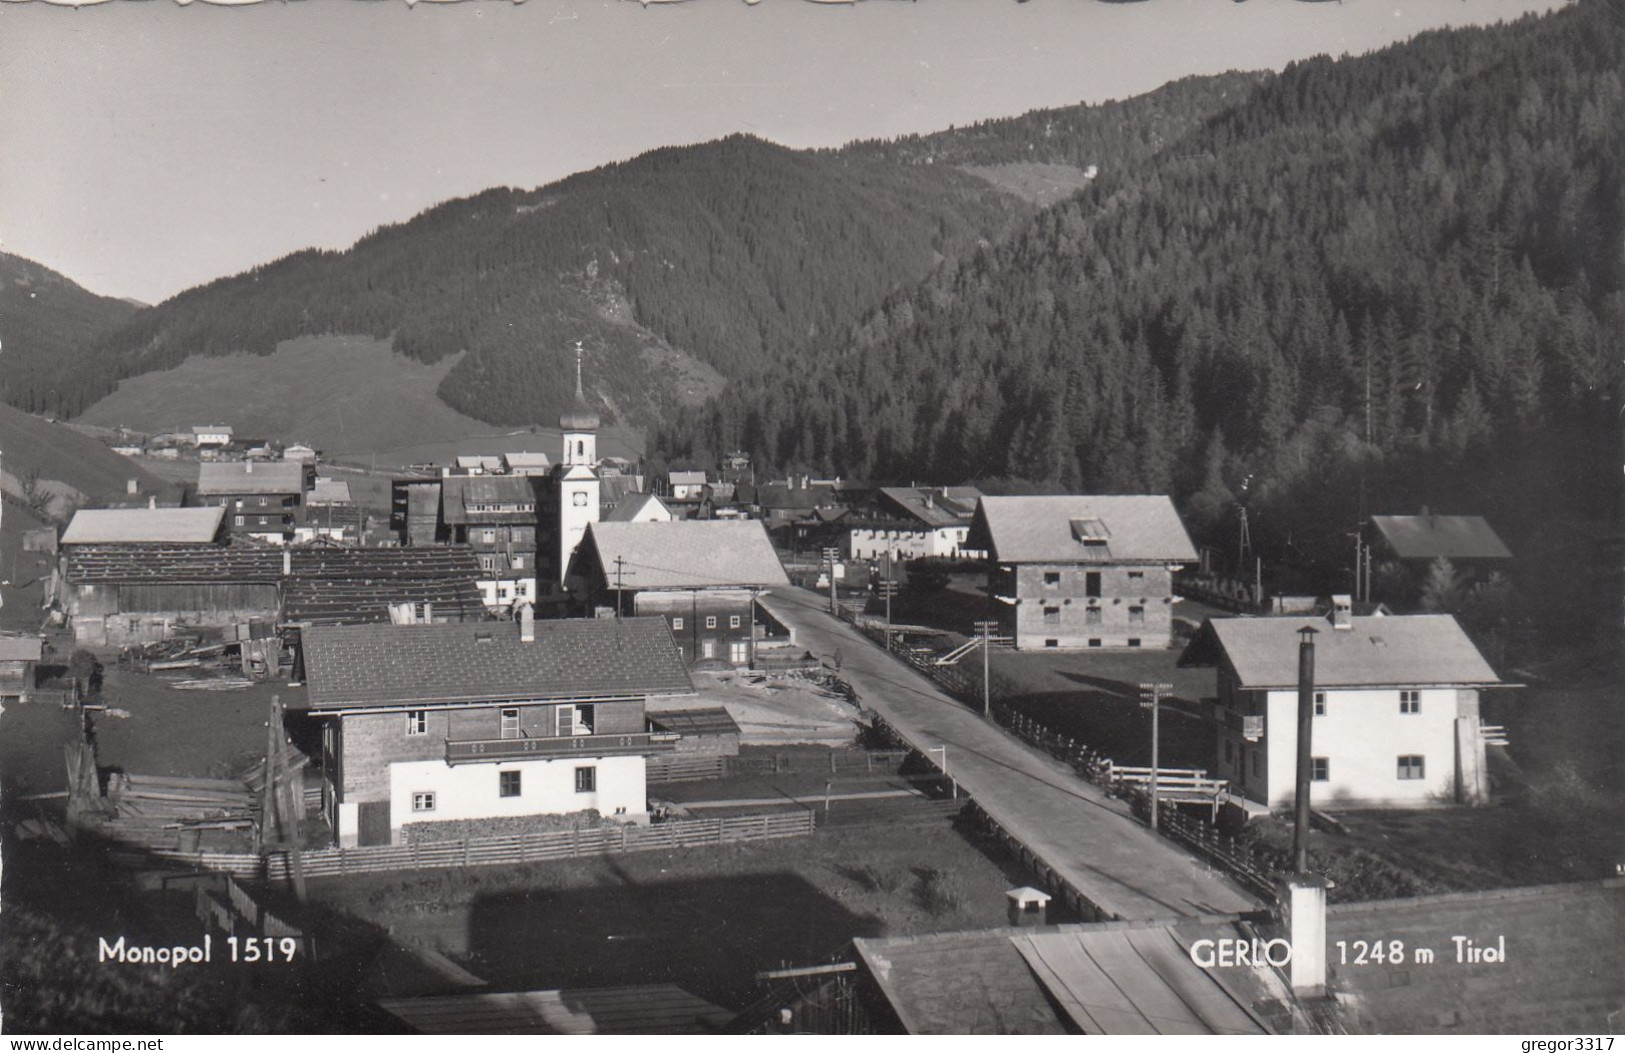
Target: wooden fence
833	762
486	851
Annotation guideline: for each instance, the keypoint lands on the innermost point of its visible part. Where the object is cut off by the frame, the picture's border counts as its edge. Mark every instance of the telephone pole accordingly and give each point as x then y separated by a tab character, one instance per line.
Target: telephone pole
888	589
1306	724
830	556
620	564
1153	694
986	629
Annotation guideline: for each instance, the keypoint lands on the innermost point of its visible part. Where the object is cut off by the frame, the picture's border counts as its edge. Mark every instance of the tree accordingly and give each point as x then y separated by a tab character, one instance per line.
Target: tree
1444	588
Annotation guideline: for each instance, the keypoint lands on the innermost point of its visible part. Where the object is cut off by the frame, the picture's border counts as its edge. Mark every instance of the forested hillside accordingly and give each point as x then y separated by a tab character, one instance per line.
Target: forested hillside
1403	268
49	327
733	253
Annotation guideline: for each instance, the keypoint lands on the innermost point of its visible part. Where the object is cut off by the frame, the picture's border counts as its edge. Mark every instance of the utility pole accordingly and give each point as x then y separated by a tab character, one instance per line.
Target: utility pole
1258	582
952	781
619	565
830	556
888	588
1153	694
1306	723
986	629
1244	545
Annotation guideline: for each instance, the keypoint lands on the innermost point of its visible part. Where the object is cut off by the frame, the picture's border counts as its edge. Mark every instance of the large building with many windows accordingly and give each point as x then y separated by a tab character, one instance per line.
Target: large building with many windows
1082	571
1397	719
437	723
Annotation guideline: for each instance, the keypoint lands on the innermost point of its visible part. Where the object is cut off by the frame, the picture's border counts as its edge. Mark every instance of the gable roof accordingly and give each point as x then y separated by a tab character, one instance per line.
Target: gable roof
688	554
1137	528
101	526
211	429
358	666
634	505
525	459
249	477
1431	537
1375	651
691	478
330	492
654	1009
461	494
945	506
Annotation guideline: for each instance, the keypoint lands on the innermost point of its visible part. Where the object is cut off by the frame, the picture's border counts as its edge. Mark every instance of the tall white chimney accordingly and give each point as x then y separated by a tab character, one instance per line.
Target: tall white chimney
1342	615
1302	899
527	624
287	563
132	486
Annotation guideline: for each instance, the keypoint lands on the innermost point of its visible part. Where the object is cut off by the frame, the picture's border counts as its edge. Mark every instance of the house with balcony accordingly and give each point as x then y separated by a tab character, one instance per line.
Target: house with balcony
913	522
703	576
495	515
1082	571
1396	720
262	501
434	723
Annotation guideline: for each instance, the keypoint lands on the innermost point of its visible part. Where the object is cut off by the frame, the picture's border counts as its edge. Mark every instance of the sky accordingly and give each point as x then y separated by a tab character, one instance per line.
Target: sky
146	147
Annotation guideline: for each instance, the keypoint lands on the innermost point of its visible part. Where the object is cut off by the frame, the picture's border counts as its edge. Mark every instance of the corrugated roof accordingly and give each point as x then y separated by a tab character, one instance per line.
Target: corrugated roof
1430	537
1142	528
1133	982
1397	650
363	665
102	526
27	649
710	721
250	477
655	1009
689	553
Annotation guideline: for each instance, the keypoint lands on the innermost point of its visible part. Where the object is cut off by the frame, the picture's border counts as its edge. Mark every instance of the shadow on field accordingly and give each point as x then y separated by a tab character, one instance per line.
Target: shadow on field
709	936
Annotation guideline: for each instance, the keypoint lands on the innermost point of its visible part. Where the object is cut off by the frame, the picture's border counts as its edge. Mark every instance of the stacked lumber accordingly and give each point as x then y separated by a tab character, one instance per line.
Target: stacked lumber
172	803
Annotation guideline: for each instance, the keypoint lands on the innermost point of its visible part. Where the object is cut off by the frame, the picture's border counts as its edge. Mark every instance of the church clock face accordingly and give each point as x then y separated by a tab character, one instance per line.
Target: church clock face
579	498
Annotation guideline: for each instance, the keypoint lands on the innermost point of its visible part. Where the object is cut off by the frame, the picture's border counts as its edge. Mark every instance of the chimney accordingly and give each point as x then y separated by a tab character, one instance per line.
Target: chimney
152	502
1342	613
248	467
428	613
527	623
287	563
132	486
1302	901
1028	906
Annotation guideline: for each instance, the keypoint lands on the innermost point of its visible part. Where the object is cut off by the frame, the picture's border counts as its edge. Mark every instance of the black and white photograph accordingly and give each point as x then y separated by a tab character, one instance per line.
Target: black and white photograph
827	517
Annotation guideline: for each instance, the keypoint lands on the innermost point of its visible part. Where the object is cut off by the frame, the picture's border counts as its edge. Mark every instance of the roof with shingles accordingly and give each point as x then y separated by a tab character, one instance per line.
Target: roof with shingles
945	506
1391	651
634	505
184	565
462	494
100	526
1138	528
1432	537
654	1009
330	492
713	720
688	553
250	477
358	666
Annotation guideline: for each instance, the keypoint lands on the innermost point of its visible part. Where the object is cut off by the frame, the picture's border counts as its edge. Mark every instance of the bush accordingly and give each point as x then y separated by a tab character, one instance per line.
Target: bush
940	892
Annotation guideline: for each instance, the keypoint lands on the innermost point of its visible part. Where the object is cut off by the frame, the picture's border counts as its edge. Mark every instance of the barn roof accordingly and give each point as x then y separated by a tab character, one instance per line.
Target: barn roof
330	492
100	526
689	553
24	649
654	1009
461	496
1081	528
250	477
356	666
686	478
1391	651
944	506
1432	537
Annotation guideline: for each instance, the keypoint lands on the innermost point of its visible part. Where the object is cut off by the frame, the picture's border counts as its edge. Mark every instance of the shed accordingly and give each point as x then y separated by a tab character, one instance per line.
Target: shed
710	731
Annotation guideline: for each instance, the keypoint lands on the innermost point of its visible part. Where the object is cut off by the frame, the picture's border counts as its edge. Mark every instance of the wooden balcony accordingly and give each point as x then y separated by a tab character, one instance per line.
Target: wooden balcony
477	751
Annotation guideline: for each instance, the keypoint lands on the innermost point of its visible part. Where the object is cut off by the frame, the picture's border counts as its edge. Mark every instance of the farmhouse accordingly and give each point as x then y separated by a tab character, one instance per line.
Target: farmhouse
432	723
685	485
264	501
19	659
1082	571
526	463
331	514
702	576
211	435
914	523
1396	706
496	516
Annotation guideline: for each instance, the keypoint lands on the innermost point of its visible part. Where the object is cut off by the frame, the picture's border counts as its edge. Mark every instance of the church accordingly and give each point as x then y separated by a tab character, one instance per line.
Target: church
568	503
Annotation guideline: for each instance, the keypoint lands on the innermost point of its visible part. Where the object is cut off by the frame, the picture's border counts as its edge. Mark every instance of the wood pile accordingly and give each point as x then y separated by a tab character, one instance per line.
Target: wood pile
155	811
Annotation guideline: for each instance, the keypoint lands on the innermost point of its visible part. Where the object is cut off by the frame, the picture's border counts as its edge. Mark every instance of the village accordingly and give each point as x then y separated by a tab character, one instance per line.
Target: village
536	742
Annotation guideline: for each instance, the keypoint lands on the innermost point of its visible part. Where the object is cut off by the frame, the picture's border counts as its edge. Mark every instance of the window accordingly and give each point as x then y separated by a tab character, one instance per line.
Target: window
733	621
423	801
677	625
1052	643
238	520
1136	575
1410	702
1091	583
710	621
739	652
585	720
566	720
264	502
1410	767
488	564
1052	616
1091	616
1052	579
1136	615
586	779
1320	703
579	498
488	537
1134	641
417	722
1094	643
508	783
1320	769
510	723
263	520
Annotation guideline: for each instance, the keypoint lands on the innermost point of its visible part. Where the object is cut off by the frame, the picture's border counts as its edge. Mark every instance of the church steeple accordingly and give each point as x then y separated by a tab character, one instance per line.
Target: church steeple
580	425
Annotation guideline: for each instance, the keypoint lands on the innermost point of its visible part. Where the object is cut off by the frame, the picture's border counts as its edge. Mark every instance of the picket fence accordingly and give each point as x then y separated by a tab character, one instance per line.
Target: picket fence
488	851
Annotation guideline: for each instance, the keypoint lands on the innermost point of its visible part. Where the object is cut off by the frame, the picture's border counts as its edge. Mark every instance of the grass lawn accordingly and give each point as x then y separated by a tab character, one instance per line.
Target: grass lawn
705	918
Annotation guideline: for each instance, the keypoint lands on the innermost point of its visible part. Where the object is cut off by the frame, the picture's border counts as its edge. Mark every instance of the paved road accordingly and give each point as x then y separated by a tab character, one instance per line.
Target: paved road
1091	840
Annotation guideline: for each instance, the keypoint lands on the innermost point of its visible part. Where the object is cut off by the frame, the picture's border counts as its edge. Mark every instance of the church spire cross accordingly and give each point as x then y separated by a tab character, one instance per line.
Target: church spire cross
579	396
